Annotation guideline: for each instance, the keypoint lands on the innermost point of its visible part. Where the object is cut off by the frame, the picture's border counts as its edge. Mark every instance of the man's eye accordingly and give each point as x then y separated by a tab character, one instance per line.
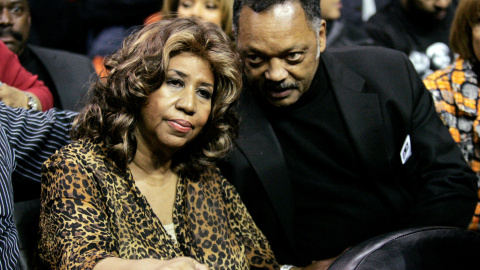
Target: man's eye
204	93
16	10
294	56
254	59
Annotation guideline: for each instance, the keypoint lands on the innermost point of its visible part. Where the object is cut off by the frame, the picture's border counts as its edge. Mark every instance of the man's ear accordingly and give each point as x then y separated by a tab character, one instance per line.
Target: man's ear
322	36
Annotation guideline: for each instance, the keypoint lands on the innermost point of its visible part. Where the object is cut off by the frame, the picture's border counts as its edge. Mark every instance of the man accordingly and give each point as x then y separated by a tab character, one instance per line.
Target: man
335	148
356	12
27	138
65	74
419	28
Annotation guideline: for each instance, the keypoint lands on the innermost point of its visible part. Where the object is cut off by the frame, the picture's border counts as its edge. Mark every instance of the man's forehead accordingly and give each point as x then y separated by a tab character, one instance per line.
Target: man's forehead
281	10
10	2
285	23
275	18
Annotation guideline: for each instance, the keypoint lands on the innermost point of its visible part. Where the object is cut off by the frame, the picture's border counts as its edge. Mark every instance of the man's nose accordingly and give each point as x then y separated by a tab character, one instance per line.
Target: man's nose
276	71
5	17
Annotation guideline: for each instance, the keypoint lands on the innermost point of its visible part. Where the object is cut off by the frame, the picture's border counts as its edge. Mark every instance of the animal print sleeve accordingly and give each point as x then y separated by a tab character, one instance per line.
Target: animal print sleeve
73	222
257	248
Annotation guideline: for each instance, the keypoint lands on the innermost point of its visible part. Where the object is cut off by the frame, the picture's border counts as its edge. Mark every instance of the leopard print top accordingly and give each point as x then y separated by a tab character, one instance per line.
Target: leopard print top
93	210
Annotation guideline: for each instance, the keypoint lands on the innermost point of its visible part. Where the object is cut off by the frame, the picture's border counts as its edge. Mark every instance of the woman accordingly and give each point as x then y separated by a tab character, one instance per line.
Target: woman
219	12
138	188
455	89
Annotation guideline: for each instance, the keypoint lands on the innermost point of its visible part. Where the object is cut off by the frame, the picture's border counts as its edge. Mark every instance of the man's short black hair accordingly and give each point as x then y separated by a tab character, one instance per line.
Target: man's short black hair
310	7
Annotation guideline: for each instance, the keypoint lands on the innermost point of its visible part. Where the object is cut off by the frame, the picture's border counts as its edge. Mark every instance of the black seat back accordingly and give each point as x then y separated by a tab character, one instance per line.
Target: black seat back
26	215
434	248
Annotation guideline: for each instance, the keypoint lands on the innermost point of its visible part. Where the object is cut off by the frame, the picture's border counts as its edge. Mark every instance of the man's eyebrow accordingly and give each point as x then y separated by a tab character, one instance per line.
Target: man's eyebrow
295	47
17	2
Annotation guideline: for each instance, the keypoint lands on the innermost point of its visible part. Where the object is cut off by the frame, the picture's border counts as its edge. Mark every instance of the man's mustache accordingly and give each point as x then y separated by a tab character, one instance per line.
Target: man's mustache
9	32
280	87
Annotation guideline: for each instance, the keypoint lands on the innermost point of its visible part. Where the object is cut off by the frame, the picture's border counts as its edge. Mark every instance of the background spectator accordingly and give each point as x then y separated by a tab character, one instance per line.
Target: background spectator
455	89
419	28
65	74
215	11
340	33
356	12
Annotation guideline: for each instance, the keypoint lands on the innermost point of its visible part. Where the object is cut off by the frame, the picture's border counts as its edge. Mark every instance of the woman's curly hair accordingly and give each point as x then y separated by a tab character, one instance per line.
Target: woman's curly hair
138	68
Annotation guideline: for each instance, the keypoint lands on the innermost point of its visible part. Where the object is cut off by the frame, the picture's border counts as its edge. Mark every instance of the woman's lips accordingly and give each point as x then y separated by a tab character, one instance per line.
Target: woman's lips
180	125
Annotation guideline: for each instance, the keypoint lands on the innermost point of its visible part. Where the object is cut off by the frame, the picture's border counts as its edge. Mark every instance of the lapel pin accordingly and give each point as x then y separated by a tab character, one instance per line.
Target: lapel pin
406	151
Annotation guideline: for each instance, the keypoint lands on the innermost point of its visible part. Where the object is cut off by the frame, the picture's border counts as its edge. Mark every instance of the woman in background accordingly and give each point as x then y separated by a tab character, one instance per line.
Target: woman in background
139	189
219	12
455	89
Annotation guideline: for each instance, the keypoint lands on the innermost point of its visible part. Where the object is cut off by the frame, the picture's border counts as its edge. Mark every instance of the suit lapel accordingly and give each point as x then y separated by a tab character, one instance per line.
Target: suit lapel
263	150
362	115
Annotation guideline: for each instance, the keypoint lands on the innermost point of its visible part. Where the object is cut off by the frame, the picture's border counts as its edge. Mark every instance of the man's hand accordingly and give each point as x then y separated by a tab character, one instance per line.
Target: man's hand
13	97
320	265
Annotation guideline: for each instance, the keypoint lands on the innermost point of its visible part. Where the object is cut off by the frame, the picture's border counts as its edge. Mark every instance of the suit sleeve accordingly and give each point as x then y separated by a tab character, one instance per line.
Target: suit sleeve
448	187
13	74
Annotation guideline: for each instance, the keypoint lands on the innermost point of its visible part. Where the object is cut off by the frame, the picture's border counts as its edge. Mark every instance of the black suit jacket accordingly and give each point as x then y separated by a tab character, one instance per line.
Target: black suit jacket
382	100
71	73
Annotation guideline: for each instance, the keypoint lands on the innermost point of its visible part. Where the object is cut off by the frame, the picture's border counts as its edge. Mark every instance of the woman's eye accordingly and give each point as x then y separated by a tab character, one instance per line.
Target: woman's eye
204	93
175	82
212	6
186	4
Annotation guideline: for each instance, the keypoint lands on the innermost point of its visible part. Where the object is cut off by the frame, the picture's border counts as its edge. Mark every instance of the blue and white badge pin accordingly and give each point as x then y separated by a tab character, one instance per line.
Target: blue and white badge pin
406	151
